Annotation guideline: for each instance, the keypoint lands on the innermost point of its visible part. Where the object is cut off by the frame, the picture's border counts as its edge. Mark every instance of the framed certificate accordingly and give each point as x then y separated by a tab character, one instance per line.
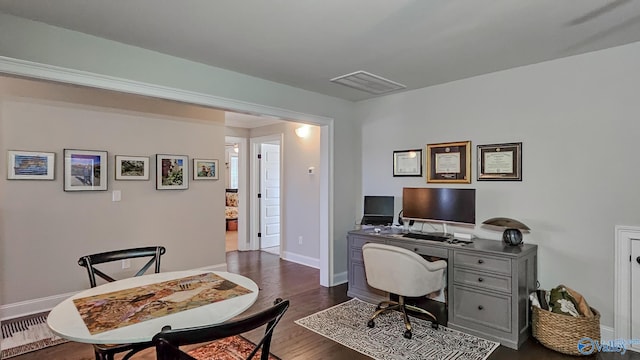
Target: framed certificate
449	162
407	162
500	162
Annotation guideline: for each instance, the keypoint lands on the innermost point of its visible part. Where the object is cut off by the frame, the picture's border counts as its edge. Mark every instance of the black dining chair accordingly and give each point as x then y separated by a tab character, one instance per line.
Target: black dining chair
168	341
153	253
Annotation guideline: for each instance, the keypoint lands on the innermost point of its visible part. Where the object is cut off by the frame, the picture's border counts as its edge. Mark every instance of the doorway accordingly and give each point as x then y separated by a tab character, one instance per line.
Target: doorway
50	73
267	155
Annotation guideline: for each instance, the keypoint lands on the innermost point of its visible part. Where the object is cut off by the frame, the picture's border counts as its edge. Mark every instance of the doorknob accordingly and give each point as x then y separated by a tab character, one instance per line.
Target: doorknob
638	259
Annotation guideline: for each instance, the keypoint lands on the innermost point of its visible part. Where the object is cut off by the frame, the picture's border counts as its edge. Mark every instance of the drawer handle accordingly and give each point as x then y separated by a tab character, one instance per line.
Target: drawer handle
480	307
480	279
480	261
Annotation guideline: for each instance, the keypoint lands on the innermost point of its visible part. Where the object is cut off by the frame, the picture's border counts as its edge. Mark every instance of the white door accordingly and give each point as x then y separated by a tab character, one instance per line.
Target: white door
270	195
635	292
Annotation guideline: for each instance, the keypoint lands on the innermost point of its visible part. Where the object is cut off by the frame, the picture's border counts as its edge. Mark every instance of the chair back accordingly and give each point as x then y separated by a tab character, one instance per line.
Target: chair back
401	271
89	261
168	341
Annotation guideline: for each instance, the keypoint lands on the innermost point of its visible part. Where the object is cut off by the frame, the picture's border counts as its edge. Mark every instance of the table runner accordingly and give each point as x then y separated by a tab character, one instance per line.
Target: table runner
121	308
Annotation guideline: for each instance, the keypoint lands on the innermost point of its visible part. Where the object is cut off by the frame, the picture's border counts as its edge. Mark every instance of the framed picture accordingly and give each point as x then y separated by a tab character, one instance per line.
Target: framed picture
500	162
85	170
172	172
407	162
30	165
449	162
132	167
205	169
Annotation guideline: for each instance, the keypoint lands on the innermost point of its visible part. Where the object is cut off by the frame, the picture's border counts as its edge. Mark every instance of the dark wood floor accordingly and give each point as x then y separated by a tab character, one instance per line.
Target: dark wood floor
299	284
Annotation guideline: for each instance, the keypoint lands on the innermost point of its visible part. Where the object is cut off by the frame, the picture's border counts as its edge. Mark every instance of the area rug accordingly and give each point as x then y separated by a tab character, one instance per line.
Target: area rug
232	348
25	335
346	324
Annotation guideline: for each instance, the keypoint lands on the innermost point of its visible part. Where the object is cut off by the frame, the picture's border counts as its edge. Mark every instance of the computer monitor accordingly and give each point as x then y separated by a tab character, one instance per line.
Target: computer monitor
378	205
378	210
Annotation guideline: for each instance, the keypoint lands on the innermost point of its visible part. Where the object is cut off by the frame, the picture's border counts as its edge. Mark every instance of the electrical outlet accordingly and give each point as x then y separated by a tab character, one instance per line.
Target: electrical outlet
300	240
126	263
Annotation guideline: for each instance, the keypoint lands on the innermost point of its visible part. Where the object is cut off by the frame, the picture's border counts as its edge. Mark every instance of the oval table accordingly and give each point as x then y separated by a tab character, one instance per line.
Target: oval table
65	320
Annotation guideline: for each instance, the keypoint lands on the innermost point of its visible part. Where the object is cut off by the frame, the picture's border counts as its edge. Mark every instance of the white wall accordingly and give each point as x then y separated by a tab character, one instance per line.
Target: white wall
577	119
41	43
44	230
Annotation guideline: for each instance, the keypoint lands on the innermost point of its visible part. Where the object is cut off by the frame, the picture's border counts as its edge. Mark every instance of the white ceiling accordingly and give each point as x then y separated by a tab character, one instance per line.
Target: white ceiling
305	43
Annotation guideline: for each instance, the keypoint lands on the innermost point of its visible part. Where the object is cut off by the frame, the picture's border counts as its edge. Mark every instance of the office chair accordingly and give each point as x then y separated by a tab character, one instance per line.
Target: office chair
108	351
168	341
402	272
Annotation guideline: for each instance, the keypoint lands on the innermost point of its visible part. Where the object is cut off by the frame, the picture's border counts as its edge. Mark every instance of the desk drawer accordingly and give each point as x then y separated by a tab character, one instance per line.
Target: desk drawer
482	308
422	249
483	280
483	262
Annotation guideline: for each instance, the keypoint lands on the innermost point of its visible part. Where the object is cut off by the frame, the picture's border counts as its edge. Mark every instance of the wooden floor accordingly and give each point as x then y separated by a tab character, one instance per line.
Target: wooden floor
231	241
299	284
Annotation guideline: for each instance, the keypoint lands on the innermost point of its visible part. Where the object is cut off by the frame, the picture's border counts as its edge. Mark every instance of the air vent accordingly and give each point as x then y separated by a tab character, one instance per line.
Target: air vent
373	84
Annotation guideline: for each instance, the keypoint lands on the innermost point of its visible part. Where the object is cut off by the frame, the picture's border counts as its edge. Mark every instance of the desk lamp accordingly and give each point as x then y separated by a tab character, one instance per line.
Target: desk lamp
512	234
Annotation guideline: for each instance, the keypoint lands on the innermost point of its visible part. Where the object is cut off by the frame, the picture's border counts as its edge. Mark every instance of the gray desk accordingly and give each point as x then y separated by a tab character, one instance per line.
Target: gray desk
488	282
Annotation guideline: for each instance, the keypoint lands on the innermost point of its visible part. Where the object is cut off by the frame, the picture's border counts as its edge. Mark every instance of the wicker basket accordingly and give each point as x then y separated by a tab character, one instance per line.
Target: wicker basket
561	332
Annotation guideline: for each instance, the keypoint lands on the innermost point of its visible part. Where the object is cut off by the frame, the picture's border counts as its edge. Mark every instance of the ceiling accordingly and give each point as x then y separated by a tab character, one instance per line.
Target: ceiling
305	43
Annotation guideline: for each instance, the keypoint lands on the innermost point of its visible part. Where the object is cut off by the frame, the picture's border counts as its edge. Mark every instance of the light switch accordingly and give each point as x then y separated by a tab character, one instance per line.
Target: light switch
116	195
311	170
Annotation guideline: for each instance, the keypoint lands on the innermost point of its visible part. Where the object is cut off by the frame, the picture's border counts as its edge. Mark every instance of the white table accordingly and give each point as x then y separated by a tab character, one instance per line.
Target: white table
65	321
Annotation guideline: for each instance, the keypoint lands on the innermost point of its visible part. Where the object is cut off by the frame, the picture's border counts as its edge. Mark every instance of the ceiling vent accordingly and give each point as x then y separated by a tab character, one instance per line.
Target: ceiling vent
373	84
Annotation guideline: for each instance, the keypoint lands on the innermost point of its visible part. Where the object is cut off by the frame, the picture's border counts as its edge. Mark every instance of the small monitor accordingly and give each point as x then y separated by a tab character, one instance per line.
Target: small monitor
378	205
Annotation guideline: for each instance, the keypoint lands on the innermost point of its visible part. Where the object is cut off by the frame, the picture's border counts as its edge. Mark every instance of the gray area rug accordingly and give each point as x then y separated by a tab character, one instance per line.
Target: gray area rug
26	334
346	324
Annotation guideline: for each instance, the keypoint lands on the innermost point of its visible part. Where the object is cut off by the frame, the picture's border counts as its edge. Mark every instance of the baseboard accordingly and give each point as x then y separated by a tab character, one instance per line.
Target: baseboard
607	333
340	278
35	306
219	267
302	260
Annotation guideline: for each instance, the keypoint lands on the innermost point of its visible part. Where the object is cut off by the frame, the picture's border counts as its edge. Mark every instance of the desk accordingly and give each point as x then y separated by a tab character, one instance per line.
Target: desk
488	282
65	321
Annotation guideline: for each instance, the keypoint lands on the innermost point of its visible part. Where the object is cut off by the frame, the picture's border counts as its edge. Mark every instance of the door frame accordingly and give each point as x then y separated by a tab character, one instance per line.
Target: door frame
243	190
622	286
35	70
254	241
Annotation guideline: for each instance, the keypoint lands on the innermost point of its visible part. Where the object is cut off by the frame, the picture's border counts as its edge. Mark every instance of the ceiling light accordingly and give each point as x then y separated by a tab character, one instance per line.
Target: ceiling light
303	131
373	84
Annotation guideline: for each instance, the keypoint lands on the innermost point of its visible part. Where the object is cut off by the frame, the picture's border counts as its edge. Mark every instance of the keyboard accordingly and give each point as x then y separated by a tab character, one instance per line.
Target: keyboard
426	237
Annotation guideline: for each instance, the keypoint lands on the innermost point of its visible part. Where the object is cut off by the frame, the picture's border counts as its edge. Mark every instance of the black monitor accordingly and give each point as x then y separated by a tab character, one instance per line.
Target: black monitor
378	210
457	206
378	205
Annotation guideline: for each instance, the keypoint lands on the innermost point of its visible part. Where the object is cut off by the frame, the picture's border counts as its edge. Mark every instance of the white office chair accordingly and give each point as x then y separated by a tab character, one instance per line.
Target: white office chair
402	272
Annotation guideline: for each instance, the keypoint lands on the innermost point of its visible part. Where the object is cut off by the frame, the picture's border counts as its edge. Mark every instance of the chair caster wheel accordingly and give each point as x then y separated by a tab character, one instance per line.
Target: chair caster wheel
371	324
434	325
407	334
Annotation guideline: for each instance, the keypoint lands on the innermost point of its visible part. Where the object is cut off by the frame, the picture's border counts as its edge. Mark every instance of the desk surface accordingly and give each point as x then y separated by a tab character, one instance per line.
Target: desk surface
65	320
478	244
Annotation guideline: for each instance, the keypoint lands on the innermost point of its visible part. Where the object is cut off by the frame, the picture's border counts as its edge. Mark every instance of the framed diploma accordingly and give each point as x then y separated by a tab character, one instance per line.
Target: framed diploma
449	162
500	162
407	162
